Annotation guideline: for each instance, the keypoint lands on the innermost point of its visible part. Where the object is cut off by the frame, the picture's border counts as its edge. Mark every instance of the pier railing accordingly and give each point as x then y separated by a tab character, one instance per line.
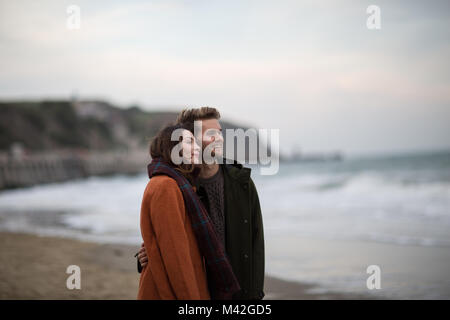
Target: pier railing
31	169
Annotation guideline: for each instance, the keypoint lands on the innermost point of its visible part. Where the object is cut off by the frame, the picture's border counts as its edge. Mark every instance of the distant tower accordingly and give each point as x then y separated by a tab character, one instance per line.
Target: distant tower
296	152
74	96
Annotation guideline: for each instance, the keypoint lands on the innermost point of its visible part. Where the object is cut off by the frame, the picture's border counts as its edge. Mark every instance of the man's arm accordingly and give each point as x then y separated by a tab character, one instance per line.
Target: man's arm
258	267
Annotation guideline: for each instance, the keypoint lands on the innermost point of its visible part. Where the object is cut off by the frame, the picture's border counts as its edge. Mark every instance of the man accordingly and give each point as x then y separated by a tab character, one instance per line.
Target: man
231	199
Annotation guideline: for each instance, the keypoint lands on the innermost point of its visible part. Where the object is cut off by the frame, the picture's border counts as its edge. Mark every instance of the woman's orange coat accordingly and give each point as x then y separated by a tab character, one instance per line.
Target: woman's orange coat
175	268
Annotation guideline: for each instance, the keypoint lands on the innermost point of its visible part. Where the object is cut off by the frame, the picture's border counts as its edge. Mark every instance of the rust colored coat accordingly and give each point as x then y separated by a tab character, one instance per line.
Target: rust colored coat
175	268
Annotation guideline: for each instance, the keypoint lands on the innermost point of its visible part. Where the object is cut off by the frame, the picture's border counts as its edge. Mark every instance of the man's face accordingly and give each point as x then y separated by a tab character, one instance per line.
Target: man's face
212	133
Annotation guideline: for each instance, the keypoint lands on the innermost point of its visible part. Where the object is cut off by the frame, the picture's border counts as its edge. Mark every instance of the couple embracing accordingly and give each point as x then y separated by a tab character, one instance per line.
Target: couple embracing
201	223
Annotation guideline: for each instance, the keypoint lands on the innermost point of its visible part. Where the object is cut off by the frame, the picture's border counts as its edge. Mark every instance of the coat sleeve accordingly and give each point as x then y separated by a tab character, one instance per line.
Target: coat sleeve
258	262
168	218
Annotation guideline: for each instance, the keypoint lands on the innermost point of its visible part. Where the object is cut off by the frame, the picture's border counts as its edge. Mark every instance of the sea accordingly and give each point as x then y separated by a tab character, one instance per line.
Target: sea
325	222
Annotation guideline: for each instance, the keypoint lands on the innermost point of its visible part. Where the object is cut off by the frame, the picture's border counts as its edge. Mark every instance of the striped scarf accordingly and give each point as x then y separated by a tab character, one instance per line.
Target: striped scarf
222	282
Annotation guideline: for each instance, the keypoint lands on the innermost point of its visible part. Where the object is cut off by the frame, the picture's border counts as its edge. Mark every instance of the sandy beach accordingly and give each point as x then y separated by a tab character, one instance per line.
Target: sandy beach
34	267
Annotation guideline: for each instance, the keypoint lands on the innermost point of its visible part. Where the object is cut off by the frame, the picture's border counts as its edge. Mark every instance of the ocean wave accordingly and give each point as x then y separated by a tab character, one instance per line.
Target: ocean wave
401	206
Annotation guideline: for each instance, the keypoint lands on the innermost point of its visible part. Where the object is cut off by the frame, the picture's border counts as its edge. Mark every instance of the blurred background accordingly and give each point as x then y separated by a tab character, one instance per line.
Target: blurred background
363	114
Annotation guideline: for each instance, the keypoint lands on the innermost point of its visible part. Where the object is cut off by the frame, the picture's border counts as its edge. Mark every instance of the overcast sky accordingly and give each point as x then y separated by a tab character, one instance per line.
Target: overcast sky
309	68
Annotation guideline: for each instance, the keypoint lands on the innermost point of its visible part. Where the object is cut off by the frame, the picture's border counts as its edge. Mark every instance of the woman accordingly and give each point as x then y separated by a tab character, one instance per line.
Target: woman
186	259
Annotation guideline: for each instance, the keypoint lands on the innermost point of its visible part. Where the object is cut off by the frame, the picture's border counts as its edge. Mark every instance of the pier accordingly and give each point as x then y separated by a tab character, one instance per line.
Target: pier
17	171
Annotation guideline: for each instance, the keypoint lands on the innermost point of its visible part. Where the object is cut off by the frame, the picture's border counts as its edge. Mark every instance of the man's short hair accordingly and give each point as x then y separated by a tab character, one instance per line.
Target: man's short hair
194	114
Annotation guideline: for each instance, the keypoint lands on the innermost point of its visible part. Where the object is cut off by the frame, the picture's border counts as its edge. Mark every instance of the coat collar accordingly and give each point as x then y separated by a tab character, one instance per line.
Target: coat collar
236	171
233	170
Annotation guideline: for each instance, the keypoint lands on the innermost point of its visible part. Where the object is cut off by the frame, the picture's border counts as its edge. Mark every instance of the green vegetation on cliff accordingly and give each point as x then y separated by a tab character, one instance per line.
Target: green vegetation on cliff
50	125
90	125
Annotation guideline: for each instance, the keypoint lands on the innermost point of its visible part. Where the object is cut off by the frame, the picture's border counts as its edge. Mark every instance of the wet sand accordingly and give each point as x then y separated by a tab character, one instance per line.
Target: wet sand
406	271
34	267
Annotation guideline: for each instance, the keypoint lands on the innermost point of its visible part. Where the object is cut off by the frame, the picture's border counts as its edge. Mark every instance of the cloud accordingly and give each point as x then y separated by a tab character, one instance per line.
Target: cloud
264	63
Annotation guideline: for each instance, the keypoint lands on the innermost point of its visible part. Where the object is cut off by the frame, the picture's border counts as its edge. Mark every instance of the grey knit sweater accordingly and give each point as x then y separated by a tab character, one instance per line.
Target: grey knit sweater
215	193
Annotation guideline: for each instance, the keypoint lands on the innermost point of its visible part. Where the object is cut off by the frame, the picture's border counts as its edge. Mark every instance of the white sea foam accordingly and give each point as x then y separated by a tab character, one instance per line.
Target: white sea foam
384	203
375	202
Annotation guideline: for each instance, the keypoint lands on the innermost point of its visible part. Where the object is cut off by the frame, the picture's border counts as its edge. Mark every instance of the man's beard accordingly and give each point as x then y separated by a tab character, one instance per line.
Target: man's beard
216	155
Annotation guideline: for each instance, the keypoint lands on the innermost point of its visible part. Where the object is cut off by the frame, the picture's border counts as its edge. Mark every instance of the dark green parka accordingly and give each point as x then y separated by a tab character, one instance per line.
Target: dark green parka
244	234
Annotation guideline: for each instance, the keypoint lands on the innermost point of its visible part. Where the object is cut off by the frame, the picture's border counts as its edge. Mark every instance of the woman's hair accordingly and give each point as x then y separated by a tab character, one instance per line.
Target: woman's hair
161	147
